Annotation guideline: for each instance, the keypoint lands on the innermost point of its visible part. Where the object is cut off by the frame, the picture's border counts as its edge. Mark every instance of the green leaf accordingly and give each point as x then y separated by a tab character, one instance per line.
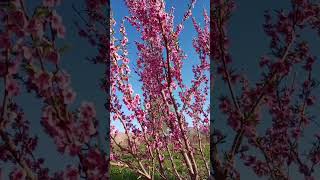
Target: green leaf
29	67
42	12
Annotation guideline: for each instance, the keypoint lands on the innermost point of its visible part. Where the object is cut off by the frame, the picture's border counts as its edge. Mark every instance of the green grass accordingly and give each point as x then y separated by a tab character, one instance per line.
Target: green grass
122	173
128	174
118	173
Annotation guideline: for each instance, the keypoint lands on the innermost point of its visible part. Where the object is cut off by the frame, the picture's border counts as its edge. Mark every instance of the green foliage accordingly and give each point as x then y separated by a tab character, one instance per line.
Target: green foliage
42	12
124	173
119	173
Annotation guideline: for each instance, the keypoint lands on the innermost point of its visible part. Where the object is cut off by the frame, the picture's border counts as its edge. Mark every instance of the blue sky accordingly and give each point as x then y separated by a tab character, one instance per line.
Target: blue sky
120	10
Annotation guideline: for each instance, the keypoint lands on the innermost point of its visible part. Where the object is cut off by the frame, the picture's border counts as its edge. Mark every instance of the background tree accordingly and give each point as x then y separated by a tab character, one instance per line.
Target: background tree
283	97
30	60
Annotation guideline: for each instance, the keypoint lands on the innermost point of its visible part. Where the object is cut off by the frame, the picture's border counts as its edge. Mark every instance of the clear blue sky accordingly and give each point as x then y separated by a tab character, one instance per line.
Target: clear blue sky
120	10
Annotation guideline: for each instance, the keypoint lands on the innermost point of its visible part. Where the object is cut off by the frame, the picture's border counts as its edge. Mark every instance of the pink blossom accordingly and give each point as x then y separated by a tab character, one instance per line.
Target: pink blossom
35	27
73	149
13	67
69	96
53	57
148	106
57	24
4	40
18	18
72	173
17	174
51	3
27	52
87	110
3	69
43	80
63	79
61	31
12	88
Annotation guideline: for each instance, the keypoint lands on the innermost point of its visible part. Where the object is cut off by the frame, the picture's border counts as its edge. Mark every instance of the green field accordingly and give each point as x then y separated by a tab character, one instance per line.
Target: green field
123	173
118	173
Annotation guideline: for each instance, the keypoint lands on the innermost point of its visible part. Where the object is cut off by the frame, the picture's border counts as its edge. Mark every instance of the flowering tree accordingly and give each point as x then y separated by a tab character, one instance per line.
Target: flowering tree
284	94
30	59
157	134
